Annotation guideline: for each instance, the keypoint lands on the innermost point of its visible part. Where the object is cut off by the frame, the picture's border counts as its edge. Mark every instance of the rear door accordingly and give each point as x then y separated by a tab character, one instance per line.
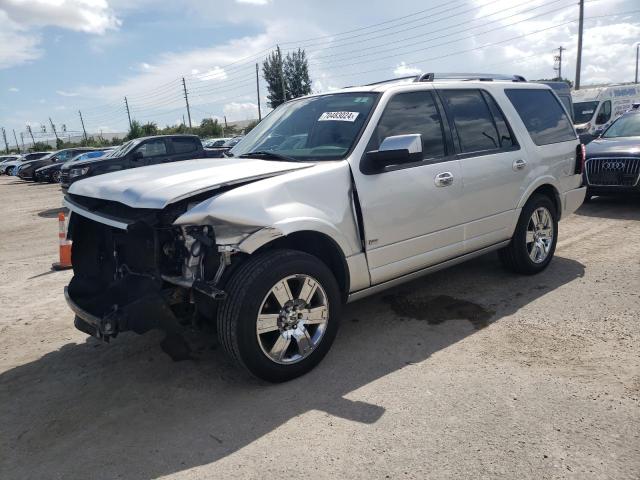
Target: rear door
411	220
185	148
494	167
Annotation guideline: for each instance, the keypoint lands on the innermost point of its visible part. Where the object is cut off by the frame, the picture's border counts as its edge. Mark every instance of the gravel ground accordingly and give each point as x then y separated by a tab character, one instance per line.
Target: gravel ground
470	373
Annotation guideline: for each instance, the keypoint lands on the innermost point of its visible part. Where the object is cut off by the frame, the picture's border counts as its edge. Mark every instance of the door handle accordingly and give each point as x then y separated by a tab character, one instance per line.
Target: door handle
519	164
443	179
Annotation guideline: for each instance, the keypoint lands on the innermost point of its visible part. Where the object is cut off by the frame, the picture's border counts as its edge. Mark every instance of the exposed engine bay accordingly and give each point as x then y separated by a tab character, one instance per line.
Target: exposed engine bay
152	274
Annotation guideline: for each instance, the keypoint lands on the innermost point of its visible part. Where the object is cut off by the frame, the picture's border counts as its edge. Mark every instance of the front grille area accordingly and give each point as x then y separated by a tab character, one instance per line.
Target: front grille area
613	172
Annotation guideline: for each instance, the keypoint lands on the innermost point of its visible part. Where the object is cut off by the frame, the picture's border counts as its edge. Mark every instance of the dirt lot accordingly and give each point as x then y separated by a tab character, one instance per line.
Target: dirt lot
470	373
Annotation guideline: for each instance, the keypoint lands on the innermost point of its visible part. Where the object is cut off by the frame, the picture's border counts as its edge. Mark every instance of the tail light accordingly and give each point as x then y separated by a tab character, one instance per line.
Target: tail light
581	156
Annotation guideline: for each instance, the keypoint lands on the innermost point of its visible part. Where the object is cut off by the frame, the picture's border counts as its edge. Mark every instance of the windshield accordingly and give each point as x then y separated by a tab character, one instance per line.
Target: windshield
315	128
583	111
625	126
123	149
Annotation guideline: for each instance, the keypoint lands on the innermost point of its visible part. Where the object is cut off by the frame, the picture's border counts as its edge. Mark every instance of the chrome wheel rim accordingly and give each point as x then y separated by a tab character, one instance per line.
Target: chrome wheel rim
539	235
292	319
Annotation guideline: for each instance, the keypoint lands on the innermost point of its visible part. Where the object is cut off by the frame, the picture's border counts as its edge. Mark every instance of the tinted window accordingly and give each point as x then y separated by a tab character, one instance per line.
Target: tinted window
583	111
473	120
543	115
184	145
505	137
153	148
409	113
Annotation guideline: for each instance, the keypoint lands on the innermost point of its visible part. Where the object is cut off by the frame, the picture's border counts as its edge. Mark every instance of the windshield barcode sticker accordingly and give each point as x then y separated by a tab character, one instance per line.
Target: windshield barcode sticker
338	116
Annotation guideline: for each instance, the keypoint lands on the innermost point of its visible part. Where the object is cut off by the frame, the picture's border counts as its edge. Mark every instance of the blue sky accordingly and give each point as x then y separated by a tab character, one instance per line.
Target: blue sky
58	56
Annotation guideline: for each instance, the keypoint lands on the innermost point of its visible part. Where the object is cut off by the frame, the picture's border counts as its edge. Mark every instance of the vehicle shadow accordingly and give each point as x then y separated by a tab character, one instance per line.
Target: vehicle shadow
624	207
125	410
53	212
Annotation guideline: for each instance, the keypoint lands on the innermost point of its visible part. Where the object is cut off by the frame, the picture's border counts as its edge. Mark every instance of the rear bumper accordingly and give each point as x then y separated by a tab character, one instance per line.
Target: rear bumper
572	200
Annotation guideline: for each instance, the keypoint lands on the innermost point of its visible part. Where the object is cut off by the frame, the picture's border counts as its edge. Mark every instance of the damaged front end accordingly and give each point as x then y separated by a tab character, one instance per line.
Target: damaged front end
135	270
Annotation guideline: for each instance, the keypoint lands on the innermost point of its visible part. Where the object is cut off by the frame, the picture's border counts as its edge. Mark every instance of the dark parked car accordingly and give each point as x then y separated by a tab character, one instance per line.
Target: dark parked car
137	153
226	146
7	165
612	164
27	169
51	173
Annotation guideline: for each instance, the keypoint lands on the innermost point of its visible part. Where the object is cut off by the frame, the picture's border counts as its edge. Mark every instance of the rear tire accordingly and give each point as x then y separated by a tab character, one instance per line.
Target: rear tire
534	241
279	336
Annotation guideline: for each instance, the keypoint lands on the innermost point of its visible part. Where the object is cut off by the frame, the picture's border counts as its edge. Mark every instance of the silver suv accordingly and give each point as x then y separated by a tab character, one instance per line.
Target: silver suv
329	199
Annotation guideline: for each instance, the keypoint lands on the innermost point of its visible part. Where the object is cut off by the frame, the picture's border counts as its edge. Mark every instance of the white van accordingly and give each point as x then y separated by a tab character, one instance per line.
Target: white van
595	108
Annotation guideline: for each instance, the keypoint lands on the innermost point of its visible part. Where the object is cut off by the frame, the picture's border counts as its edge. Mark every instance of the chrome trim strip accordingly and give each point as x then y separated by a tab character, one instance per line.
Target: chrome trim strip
84	315
417	274
75	208
636	161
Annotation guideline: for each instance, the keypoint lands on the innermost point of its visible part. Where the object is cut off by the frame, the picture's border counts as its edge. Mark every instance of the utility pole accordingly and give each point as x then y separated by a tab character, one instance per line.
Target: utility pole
258	90
22	140
16	138
53	127
579	55
31	133
82	122
186	98
637	54
558	60
4	136
126	104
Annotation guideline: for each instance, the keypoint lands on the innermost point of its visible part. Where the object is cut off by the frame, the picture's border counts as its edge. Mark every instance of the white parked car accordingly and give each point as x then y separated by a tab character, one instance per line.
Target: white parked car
331	198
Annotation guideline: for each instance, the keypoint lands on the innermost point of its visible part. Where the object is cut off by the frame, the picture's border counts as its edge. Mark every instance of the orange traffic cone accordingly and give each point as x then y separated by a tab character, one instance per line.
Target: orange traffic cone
65	246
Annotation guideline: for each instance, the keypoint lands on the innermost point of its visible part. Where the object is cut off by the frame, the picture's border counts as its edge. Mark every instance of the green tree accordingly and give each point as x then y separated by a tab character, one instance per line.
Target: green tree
209	127
149	128
135	131
296	73
272	71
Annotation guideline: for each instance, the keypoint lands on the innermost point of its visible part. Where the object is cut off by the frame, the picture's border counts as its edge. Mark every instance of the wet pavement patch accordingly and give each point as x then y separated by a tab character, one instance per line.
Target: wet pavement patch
438	309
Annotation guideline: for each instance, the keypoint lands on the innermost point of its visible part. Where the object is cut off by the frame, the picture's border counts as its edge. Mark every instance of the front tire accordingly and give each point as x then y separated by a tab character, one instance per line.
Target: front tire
55	177
534	241
281	314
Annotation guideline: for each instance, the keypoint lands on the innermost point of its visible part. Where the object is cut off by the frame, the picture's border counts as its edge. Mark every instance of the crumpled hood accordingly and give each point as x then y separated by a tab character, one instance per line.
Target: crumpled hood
157	186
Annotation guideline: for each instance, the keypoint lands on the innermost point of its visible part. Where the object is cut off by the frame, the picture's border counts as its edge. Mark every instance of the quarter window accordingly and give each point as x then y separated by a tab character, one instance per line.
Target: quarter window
542	115
411	113
473	120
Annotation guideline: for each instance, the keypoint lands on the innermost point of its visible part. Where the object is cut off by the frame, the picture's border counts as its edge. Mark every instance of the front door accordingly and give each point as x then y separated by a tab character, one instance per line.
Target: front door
153	151
411	212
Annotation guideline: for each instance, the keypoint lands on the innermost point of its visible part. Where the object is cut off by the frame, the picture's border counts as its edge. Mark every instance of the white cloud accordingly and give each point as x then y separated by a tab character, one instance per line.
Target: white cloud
254	2
64	93
403	69
21	20
14	89
235	111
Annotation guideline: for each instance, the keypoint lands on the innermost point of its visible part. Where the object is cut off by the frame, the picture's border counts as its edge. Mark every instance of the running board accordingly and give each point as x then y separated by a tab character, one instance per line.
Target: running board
425	271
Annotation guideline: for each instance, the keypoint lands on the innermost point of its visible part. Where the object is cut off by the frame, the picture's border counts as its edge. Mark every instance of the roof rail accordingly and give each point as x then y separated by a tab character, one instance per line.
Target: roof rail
391	80
486	77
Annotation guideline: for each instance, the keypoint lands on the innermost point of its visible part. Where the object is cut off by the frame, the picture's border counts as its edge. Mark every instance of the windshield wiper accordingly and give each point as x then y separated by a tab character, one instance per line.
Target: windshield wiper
269	155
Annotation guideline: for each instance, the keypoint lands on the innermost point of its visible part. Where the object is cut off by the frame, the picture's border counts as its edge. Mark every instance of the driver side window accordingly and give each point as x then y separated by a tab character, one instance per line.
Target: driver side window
604	114
411	113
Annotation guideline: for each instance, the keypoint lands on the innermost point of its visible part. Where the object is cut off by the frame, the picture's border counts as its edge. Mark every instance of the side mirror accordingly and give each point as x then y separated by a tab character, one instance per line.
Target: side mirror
598	132
394	150
137	155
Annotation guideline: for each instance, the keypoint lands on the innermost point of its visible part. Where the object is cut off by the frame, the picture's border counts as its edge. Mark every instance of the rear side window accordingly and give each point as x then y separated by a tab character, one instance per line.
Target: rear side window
542	115
184	145
473	120
410	113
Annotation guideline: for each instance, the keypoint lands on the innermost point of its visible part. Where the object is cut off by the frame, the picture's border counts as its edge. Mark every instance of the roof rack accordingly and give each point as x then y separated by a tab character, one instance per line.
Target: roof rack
485	77
391	80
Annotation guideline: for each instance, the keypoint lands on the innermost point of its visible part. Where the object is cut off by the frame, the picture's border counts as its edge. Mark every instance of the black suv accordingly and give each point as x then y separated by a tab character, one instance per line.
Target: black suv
612	164
136	153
